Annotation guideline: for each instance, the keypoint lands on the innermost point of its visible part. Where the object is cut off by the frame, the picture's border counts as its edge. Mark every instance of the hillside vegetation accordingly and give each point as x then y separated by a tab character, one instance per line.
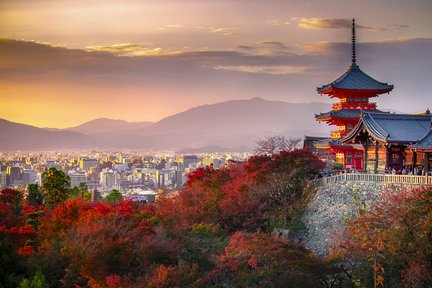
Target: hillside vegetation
215	232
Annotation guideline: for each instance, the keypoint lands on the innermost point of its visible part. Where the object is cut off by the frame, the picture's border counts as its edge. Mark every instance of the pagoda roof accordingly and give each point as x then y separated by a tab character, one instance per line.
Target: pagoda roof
356	79
392	128
343	113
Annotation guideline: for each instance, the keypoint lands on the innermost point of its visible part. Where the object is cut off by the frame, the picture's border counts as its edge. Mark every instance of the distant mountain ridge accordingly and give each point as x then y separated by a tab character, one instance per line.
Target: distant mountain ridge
105	125
16	136
225	125
235	116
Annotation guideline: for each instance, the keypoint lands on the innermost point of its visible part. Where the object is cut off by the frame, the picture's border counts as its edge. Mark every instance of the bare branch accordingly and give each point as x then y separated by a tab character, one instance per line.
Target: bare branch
275	144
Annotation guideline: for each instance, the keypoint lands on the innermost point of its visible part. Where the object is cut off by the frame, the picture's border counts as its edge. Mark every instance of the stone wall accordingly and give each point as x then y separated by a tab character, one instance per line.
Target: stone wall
333	203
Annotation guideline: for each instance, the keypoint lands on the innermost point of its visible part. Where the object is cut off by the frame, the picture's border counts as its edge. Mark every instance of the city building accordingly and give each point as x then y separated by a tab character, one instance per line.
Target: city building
14	174
86	163
3	180
77	177
28	176
108	178
180	178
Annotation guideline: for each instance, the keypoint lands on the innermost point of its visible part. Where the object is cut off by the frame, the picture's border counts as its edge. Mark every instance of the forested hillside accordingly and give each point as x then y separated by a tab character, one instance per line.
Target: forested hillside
215	232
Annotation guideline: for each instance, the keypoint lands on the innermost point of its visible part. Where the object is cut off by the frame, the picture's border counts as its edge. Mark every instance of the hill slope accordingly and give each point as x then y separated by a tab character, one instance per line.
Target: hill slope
228	124
15	136
110	126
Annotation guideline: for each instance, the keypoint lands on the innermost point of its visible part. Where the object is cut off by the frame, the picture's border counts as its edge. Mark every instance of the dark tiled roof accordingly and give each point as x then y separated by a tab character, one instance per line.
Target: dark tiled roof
329	142
343	113
393	128
356	79
425	142
314	138
322	143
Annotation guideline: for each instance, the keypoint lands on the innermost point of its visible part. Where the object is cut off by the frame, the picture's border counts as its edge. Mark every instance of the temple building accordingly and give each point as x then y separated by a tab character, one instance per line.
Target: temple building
394	142
353	90
368	139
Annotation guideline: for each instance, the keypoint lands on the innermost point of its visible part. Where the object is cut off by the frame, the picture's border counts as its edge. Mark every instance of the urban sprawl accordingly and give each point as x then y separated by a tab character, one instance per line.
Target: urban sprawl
138	176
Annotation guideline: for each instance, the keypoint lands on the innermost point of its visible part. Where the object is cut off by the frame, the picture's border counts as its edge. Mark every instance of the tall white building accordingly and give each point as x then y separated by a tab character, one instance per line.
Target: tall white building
77	177
28	176
108	178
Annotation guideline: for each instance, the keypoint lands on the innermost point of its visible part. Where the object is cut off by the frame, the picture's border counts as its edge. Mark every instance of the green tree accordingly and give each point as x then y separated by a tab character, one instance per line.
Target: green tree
80	191
114	197
84	191
34	196
12	267
55	186
38	281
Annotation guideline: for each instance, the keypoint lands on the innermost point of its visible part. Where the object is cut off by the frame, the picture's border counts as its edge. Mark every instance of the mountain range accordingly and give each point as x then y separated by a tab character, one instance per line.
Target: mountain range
232	126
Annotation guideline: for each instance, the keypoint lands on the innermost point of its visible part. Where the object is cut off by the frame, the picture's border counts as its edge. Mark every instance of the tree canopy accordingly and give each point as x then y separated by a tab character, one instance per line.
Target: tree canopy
215	232
55	186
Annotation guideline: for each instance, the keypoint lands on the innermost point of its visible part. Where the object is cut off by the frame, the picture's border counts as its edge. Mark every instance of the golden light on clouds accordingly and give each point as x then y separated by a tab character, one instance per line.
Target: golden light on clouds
222	31
128	49
320	23
274	22
333	23
273	69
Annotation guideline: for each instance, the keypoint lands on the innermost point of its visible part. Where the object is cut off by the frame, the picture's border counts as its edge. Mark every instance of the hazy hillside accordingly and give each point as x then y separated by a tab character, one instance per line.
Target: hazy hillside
256	115
15	136
229	125
105	125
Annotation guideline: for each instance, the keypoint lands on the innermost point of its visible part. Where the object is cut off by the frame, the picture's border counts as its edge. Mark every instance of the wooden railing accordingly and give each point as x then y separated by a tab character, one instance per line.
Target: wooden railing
385	178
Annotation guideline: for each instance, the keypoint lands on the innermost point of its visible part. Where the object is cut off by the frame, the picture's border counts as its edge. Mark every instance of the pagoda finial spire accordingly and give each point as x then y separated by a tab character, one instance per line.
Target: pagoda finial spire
353	59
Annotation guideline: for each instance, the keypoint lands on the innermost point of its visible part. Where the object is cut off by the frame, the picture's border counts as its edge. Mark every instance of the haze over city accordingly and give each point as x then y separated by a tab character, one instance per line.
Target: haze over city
64	63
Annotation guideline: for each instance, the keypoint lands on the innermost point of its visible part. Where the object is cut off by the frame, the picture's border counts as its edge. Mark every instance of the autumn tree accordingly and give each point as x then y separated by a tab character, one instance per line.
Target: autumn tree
116	240
391	242
260	260
55	186
268	189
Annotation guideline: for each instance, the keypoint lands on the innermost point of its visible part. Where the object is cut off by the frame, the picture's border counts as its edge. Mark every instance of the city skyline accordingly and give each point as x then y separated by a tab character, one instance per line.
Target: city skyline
67	63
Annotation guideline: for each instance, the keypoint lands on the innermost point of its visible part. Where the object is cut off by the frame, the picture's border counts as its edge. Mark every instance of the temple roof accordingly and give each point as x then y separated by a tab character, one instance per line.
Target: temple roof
392	128
425	143
322	143
335	143
356	79
343	113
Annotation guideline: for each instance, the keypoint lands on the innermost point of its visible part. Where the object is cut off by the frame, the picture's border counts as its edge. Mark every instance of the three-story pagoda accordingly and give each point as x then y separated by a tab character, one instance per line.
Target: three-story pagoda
353	90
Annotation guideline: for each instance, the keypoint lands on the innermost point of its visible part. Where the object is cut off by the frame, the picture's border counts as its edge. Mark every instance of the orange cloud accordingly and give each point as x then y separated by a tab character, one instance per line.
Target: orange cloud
128	49
324	23
222	31
274	69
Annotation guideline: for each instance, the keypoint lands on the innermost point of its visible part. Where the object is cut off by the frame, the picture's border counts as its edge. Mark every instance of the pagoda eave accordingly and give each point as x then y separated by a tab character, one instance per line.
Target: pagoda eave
336	120
335	92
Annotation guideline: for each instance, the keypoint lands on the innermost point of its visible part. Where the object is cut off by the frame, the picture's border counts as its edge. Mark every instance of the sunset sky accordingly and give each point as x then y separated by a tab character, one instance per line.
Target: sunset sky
66	62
